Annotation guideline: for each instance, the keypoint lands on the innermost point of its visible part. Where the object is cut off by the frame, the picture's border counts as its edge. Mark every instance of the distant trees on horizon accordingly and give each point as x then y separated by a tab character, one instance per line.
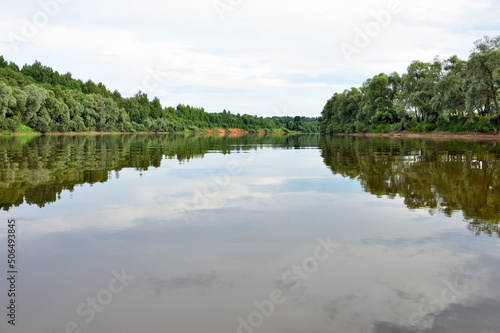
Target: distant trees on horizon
47	101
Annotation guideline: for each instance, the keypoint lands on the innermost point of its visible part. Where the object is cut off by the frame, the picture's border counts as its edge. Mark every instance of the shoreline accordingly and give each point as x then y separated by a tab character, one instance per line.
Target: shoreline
429	135
220	132
238	132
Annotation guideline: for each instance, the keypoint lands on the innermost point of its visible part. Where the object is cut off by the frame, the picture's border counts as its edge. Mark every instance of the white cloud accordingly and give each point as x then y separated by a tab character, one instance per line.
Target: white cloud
281	180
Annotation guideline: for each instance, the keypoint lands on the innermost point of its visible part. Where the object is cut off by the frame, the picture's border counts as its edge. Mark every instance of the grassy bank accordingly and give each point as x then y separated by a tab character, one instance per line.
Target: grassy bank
454	125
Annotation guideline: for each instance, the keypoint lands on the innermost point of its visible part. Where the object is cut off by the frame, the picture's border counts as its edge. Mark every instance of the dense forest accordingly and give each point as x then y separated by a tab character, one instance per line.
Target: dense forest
446	95
37	98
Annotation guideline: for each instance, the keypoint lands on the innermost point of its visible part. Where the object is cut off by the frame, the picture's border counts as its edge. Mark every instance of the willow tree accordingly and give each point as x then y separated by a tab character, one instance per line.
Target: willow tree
449	92
418	88
483	80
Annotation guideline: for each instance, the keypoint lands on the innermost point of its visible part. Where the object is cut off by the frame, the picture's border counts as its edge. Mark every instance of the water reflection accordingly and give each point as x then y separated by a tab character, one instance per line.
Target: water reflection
441	176
36	170
395	269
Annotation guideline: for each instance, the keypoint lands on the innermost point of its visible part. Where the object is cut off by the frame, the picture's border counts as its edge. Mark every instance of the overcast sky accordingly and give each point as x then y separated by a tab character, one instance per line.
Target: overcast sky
272	57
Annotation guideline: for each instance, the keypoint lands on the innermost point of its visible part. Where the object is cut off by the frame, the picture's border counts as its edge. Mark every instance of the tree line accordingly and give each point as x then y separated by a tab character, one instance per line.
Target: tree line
446	94
35	97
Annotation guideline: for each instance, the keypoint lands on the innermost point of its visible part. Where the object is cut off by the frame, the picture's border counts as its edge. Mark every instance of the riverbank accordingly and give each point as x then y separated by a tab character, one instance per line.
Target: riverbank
430	135
232	132
236	132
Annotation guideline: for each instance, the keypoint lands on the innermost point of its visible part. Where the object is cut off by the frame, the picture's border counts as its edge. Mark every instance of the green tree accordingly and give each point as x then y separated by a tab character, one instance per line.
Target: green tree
35	97
341	112
449	93
377	104
483	79
3	63
58	112
418	88
7	102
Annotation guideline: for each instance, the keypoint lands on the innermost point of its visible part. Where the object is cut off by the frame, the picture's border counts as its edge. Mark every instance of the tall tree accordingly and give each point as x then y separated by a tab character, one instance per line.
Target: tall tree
449	93
418	88
483	79
35	97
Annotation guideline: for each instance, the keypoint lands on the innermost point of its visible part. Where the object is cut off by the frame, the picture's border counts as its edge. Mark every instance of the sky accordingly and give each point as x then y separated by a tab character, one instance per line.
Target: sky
264	58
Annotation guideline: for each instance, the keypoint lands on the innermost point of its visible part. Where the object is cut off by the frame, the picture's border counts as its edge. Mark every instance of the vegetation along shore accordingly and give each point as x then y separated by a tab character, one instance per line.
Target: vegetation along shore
450	95
36	99
440	99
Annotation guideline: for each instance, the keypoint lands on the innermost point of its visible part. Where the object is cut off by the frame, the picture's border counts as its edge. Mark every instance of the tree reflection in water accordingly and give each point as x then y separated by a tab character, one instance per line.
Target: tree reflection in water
440	176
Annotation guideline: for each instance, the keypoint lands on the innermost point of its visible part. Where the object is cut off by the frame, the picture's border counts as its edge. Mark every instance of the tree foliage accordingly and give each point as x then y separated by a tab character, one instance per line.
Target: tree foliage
444	94
48	101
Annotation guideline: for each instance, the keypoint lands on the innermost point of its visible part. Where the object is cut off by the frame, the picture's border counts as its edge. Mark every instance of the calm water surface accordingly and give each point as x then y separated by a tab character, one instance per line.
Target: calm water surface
274	234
